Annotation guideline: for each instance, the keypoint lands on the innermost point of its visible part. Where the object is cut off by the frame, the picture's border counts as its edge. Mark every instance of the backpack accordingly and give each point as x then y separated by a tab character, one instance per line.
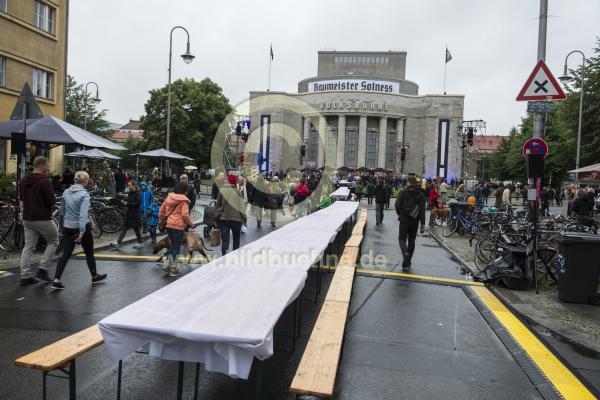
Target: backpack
410	206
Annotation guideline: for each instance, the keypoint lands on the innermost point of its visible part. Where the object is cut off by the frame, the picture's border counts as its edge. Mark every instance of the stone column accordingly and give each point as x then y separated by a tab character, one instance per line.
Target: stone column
362	142
322	140
341	141
399	136
381	142
306	130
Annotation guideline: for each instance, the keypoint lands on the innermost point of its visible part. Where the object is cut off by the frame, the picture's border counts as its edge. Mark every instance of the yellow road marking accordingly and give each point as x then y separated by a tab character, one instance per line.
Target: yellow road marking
563	380
424	277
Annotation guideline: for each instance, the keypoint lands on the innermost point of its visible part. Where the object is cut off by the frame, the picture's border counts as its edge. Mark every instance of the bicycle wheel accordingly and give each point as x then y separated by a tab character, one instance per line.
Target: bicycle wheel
450	228
110	220
485	253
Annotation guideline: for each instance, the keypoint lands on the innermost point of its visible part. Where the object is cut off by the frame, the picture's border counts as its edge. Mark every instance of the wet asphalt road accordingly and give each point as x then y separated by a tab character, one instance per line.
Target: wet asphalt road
403	339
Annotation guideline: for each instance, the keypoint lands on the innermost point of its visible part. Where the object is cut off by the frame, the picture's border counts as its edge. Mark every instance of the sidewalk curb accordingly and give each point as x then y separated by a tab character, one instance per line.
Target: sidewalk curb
518	313
532	321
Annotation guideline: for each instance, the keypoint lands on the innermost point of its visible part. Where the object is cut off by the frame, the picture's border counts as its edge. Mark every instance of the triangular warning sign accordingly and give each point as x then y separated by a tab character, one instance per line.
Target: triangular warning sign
33	108
541	85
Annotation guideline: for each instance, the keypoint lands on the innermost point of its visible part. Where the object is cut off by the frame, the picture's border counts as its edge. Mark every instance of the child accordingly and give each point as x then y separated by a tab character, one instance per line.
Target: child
152	218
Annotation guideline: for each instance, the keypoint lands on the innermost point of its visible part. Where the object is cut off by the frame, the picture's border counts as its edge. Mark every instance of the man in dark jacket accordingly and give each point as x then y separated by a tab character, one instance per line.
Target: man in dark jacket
214	192
38	199
380	201
370	192
191	191
257	197
406	207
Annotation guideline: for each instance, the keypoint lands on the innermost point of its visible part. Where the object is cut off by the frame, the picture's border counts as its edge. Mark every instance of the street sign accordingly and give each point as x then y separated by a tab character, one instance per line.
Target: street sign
541	85
539	106
536	147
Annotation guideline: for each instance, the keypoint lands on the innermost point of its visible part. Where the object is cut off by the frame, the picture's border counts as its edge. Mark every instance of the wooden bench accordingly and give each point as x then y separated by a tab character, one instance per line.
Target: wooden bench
62	354
318	367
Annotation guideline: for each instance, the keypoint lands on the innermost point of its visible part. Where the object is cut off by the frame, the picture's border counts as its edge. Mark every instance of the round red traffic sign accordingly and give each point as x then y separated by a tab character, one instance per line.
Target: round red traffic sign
535	146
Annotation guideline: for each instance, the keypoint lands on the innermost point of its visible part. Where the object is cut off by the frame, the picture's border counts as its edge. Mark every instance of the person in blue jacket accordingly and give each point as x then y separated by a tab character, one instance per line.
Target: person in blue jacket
152	219
145	202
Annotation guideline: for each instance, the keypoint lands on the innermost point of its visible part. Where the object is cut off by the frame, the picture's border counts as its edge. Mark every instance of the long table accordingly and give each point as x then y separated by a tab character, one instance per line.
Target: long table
223	314
341	193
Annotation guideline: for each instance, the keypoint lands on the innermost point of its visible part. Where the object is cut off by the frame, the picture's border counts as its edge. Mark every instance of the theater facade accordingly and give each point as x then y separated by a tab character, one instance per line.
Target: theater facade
358	111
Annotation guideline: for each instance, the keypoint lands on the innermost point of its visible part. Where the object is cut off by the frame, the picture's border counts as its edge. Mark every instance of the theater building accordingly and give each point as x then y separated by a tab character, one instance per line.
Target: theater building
358	111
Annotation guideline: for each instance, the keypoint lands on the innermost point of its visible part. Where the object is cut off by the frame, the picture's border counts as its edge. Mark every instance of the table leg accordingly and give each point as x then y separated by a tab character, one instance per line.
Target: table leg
197	381
72	381
180	381
44	374
119	375
258	389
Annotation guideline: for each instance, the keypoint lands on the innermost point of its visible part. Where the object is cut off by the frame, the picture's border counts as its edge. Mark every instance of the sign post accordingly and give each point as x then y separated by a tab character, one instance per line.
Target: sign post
540	88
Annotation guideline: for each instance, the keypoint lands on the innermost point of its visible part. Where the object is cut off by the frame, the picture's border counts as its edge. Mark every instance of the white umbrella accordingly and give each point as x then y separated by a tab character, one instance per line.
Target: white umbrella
190	168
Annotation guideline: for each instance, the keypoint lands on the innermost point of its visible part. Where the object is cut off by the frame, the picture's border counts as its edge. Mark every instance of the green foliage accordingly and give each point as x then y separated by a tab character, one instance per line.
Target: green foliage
7	181
561	131
79	104
197	110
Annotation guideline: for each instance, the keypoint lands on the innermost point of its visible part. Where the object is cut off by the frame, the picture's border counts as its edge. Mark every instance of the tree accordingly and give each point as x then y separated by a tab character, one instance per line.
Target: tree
79	104
197	110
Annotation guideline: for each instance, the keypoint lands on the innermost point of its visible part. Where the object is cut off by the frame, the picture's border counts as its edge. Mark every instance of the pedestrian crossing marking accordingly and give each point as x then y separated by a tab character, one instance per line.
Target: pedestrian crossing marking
557	373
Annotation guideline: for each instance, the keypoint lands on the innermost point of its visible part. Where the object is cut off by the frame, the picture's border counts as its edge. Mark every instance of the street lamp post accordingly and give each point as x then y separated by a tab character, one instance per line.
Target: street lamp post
96	99
566	78
187	58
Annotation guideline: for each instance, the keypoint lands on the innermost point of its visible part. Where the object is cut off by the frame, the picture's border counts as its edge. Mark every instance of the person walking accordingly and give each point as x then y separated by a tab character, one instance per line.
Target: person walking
145	203
233	216
300	194
191	192
175	215
370	192
486	191
214	191
74	209
380	200
388	195
410	207
498	195
132	216
506	196
275	201
152	219
38	199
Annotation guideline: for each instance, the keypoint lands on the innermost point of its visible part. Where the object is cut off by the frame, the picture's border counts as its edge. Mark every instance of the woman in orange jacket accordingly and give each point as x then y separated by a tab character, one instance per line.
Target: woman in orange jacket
175	210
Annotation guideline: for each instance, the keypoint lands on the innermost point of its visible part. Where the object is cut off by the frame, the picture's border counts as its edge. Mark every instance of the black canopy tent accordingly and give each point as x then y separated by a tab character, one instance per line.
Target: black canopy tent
162	154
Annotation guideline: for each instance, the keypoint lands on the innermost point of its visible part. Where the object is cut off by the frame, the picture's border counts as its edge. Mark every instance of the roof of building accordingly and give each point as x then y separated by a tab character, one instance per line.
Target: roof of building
132	125
123	135
488	142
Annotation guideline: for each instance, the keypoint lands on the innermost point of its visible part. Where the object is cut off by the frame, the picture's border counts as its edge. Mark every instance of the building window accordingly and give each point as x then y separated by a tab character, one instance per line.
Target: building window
372	148
42	83
44	16
313	144
351	146
390	150
331	146
3	5
2	69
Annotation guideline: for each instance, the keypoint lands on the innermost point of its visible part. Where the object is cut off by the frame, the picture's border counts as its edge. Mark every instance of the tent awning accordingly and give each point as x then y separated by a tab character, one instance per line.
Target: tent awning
93	153
163	153
589	168
56	131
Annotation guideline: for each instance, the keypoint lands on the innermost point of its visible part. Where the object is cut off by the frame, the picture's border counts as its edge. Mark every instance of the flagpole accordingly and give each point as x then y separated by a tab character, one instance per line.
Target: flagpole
270	61
445	66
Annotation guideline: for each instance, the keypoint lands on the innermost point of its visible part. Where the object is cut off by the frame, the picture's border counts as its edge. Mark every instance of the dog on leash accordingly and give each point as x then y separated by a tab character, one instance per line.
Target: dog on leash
191	240
442	214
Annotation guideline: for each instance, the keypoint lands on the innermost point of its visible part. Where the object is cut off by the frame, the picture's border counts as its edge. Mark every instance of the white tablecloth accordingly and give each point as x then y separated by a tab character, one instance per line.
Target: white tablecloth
223	314
341	193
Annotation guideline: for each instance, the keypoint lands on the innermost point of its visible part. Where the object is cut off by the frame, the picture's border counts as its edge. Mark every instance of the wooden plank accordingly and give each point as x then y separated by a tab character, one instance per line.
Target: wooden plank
364	212
354	241
62	352
318	368
340	288
349	257
359	228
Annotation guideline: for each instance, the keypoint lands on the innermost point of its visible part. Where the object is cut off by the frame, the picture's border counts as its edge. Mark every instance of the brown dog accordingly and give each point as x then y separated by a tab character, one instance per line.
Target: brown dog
439	213
191	240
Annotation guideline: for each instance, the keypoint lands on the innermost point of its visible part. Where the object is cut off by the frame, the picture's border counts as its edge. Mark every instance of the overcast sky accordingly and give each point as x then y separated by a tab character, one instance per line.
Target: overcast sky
123	45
